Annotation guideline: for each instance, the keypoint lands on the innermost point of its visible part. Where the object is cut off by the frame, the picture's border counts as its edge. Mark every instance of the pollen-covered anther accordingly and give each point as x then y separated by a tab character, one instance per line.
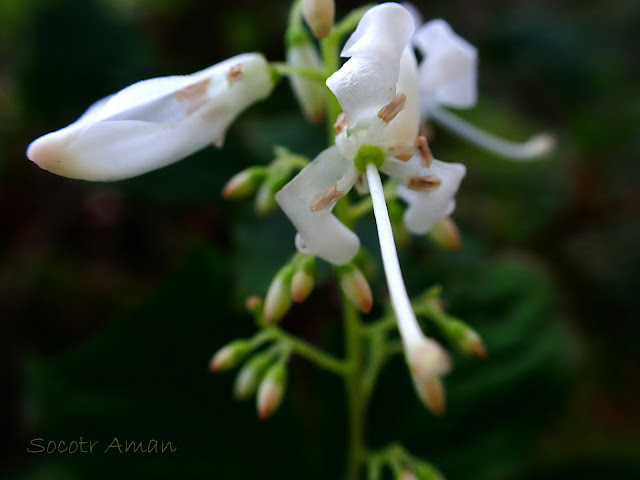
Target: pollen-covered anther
424	184
326	199
395	106
341	123
235	73
425	152
194	96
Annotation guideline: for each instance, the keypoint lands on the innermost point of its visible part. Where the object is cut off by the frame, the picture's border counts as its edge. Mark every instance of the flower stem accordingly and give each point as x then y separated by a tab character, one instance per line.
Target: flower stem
311	353
353	383
310	73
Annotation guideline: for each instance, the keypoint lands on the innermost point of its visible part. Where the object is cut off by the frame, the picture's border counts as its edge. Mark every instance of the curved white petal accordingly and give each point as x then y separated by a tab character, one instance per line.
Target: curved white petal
427	207
448	71
367	81
154	123
320	233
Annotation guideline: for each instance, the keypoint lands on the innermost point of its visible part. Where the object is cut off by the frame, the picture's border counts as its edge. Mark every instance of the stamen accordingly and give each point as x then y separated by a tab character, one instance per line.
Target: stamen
326	199
389	112
235	73
407	323
424	184
425	152
535	147
194	96
341	123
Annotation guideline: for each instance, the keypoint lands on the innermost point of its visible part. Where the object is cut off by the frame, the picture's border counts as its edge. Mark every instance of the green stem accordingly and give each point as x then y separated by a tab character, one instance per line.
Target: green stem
311	353
355	401
310	73
330	57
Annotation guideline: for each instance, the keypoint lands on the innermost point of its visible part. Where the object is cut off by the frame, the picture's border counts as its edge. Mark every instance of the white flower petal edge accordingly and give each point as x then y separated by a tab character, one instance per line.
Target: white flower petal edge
320	233
448	73
426	208
308	93
154	122
367	81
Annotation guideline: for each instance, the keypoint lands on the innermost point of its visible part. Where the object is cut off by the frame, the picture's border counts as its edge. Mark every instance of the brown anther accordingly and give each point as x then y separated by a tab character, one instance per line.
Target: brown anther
341	123
194	96
424	184
325	199
427	131
404	158
425	152
235	73
389	112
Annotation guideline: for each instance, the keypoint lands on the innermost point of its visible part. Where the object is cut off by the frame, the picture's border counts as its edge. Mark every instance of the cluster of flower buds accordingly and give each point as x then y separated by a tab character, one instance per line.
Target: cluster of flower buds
264	180
265	372
293	283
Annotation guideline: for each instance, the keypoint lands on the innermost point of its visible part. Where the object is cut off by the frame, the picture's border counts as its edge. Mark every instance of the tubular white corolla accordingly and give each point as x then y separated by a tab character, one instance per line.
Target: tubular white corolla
155	122
537	146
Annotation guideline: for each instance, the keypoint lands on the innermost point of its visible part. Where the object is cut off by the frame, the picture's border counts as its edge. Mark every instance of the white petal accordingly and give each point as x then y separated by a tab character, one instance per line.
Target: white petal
308	93
153	123
320	233
426	208
448	71
367	82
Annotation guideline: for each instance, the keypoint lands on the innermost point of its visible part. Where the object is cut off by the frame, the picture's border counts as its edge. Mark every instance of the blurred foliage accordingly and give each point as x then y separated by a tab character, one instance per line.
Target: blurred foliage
114	296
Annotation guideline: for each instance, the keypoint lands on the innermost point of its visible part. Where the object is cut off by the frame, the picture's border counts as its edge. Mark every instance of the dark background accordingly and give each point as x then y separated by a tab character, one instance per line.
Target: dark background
114	296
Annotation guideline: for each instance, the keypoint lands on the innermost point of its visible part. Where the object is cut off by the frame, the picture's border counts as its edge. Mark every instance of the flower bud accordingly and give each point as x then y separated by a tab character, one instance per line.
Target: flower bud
301	285
407	475
154	122
265	198
464	337
278	300
445	234
253	304
425	471
250	375
319	15
271	390
244	183
308	93
428	361
230	355
355	287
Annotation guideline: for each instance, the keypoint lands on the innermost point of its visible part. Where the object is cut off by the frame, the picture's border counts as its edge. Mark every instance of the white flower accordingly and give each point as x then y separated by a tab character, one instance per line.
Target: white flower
378	91
154	122
448	72
448	77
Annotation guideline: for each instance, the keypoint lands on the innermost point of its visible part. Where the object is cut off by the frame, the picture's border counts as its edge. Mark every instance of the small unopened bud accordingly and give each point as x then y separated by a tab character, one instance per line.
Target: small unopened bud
308	93
244	183
445	234
319	15
278	300
250	375
271	390
230	355
253	304
407	475
356	287
428	361
425	471
464	337
301	285
265	200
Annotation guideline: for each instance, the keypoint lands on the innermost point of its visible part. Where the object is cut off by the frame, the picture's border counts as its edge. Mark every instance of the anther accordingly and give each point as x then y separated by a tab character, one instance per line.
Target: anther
341	123
424	184
389	112
326	199
235	73
425	152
